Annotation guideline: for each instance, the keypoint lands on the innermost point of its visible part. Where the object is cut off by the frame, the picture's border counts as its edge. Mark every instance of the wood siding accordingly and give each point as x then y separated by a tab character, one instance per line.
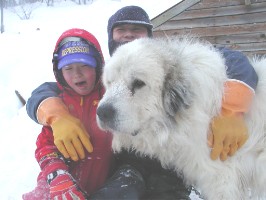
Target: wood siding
238	24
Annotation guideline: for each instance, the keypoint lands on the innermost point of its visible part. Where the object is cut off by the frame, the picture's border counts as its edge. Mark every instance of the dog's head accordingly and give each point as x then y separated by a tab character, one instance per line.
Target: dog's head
145	81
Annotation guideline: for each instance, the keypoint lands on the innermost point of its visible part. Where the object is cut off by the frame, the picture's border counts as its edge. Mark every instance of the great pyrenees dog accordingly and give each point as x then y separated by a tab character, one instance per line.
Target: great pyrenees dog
161	95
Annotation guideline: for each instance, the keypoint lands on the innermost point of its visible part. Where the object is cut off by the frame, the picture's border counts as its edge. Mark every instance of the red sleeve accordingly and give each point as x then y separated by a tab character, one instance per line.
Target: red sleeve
45	143
46	154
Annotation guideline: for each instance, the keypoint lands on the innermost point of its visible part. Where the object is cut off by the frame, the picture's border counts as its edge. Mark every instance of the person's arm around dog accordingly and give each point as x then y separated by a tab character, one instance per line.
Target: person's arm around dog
44	107
228	130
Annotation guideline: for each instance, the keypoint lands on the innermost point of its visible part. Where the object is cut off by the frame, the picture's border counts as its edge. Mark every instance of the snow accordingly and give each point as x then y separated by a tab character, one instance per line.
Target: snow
26	51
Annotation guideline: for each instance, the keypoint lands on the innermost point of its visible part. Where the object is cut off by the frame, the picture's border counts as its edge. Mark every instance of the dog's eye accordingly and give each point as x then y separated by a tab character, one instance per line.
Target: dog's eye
137	84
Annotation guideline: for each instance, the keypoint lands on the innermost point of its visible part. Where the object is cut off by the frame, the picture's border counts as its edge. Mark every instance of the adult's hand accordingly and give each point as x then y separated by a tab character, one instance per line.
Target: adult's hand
70	136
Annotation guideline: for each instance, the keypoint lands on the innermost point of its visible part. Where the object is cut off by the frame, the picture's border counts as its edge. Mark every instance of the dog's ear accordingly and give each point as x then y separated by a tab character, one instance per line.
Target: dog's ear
177	95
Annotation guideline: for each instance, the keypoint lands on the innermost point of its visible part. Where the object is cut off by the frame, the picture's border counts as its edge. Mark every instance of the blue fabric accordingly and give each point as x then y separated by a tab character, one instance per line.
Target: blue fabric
239	67
76	52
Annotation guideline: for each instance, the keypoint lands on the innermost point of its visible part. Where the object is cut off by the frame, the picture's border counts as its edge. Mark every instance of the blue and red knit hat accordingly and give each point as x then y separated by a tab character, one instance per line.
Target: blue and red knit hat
76	52
127	15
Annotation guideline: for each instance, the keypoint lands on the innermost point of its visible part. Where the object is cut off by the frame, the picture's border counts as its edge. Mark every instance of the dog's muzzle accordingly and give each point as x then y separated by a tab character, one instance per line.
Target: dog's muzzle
107	118
107	114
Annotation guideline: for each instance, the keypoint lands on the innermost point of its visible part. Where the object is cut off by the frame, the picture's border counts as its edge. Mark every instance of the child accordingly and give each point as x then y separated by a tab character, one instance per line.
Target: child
77	65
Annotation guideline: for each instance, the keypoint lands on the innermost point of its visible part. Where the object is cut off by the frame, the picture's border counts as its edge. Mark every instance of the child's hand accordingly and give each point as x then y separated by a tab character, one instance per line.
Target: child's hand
63	186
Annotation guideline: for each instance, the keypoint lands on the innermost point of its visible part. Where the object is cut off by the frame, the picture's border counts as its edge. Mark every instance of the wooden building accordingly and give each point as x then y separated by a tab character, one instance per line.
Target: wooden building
238	24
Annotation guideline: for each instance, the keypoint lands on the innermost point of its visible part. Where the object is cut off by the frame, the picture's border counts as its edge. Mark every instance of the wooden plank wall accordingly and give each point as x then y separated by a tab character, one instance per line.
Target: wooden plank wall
238	24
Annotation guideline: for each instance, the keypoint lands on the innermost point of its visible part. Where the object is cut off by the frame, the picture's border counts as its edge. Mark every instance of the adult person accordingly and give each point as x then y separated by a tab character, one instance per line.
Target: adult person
228	130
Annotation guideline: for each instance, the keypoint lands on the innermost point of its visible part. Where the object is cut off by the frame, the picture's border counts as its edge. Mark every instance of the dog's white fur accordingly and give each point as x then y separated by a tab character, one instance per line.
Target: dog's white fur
161	95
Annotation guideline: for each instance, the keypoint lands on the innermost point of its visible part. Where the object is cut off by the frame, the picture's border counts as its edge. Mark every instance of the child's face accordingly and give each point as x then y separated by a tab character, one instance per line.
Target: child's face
80	77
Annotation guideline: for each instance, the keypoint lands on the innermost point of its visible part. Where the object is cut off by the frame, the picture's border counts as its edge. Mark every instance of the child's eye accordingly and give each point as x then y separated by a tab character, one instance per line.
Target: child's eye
68	68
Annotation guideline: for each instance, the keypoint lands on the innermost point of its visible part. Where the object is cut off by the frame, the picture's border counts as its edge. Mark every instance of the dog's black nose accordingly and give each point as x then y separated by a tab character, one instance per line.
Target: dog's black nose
106	112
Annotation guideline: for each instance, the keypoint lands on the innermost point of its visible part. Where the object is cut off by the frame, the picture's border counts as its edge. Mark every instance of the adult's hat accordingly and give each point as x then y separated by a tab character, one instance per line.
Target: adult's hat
76	52
127	15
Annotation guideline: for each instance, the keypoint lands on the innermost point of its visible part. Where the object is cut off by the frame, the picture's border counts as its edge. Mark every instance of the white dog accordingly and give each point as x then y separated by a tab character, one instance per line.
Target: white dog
161	95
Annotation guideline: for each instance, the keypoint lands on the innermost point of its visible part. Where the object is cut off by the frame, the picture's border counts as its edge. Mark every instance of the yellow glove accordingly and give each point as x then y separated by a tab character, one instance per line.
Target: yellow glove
69	133
228	130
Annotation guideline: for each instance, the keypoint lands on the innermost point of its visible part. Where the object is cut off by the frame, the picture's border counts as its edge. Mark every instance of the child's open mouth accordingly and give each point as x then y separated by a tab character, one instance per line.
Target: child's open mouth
82	83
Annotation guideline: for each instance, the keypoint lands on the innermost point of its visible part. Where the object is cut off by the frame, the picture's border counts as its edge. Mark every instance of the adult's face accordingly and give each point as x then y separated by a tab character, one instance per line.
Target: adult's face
129	32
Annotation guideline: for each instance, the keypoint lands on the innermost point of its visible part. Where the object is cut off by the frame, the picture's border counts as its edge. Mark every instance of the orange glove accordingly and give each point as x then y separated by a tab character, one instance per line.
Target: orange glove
228	130
69	133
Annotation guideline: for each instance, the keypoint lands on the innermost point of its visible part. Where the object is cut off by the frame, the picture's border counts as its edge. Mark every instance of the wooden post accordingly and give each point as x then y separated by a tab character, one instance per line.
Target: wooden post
21	99
2	15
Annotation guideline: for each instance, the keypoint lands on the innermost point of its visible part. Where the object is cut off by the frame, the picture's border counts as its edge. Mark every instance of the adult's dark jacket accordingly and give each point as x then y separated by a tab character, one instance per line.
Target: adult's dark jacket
142	178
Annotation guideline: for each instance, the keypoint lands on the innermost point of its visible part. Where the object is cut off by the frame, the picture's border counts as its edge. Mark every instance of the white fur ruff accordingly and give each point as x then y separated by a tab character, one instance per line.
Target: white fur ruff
161	95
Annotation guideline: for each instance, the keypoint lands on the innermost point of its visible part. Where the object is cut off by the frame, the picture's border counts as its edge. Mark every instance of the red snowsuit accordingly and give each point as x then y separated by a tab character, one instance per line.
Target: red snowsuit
92	172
